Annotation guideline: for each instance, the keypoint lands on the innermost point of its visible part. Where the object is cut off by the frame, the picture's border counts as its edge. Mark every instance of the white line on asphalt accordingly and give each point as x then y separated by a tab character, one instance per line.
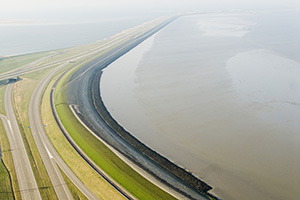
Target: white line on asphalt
12	133
48	151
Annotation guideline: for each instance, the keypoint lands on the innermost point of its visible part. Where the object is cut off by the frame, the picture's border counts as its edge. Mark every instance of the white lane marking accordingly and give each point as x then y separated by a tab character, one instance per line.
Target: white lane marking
12	133
48	151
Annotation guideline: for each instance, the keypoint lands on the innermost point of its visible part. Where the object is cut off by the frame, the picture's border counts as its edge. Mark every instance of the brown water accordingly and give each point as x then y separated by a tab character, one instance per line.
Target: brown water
218	95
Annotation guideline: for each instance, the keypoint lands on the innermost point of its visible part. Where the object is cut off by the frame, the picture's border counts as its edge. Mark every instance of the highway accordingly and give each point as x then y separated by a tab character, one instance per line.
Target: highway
27	183
48	153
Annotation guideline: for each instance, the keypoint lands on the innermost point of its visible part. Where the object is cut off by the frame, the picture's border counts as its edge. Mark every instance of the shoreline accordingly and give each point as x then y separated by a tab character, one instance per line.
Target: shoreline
186	177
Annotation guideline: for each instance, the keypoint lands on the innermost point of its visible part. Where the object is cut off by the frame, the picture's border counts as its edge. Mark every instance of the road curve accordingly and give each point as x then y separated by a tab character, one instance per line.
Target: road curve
27	183
48	153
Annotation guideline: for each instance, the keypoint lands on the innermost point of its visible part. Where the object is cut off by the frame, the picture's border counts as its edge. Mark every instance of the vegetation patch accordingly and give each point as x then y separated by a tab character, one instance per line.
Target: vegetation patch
9	188
81	169
2	91
76	194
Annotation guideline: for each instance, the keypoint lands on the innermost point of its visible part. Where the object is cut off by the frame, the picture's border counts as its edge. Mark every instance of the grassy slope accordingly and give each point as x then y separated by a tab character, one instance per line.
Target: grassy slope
5	184
103	157
21	96
9	63
83	171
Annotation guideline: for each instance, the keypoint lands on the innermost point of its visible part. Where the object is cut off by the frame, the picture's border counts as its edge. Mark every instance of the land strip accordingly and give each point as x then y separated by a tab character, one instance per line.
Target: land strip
9	184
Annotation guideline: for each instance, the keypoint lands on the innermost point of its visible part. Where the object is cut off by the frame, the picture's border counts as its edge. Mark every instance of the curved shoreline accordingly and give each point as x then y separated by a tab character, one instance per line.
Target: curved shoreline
186	177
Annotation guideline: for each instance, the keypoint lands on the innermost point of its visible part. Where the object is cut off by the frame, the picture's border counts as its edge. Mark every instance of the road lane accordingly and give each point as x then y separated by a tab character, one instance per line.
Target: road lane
27	183
48	153
37	130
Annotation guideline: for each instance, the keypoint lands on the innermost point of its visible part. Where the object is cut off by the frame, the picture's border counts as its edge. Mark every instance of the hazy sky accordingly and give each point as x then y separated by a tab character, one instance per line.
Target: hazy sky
75	9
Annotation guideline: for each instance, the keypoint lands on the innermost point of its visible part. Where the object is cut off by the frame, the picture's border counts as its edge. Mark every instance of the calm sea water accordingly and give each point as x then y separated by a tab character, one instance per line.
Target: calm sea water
22	39
218	94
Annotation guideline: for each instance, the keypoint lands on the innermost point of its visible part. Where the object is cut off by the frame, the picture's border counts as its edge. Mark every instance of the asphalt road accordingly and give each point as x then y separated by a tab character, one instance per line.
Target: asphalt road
27	183
50	157
48	153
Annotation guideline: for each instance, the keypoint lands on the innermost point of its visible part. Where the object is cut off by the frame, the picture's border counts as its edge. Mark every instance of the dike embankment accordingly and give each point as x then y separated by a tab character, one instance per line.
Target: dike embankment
186	177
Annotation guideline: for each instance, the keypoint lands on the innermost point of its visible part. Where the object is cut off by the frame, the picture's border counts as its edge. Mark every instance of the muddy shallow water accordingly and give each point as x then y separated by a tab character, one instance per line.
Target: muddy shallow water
218	95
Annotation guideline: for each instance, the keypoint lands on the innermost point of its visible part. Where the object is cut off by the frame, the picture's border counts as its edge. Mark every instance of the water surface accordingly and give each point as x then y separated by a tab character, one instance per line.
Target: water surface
219	95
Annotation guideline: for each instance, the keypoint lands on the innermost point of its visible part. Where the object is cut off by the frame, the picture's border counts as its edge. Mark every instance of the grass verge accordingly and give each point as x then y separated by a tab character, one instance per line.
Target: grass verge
2	91
76	194
9	188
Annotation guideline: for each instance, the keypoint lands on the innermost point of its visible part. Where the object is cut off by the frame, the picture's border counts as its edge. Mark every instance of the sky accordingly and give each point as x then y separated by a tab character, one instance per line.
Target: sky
68	10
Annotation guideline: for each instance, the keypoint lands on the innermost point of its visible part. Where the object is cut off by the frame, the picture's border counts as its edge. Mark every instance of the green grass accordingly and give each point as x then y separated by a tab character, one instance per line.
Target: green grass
76	194
5	186
13	62
104	157
2	91
80	168
108	161
9	188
